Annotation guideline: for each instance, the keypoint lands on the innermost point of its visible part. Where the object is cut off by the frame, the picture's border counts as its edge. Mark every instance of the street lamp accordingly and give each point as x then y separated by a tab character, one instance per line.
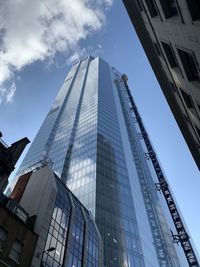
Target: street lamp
42	252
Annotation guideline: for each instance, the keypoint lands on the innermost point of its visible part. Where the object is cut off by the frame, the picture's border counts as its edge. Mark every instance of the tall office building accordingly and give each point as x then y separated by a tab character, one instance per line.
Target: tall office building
91	139
169	31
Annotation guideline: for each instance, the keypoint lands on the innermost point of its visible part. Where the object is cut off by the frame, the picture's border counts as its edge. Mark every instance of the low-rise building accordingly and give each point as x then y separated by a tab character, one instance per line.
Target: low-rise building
9	155
68	235
17	237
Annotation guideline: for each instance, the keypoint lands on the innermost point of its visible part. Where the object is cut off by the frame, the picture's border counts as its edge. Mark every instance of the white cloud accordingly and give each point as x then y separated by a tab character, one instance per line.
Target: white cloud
32	30
7	93
80	53
109	2
77	55
10	93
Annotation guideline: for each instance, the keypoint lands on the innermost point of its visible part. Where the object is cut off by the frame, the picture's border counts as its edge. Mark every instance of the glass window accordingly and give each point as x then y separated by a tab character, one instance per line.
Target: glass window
188	100
170	54
194	8
3	235
169	8
152	8
190	64
16	251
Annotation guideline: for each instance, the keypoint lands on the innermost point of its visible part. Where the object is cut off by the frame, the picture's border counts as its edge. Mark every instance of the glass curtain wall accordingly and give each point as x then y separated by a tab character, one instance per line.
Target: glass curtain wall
90	138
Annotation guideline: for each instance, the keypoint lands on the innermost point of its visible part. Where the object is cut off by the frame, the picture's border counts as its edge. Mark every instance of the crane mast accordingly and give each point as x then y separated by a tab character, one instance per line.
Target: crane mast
181	237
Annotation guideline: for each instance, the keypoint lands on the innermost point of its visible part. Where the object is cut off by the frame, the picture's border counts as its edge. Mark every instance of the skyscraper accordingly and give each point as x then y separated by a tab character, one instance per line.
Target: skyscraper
169	32
90	137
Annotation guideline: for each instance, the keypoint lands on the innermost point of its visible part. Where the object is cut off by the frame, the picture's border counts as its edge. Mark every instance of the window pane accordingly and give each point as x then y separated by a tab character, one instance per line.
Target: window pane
3	235
194	7
151	7
170	55
187	99
189	64
169	8
16	251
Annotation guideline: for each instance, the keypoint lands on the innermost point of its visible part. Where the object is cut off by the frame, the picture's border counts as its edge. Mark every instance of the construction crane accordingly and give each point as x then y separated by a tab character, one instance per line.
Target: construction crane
181	237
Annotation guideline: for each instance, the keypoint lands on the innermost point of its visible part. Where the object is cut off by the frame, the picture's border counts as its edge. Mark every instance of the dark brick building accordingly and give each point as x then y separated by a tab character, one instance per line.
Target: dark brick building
9	155
17	238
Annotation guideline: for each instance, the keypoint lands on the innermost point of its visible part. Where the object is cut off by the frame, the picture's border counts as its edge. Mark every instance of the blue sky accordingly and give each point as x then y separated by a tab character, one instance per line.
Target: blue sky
30	79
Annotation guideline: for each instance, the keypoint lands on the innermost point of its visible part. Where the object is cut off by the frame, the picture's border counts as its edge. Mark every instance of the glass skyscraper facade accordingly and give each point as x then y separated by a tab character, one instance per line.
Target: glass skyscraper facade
91	139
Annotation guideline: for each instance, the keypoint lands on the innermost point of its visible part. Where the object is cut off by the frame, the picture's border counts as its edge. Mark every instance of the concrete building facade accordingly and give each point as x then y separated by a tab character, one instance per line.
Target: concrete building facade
169	31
